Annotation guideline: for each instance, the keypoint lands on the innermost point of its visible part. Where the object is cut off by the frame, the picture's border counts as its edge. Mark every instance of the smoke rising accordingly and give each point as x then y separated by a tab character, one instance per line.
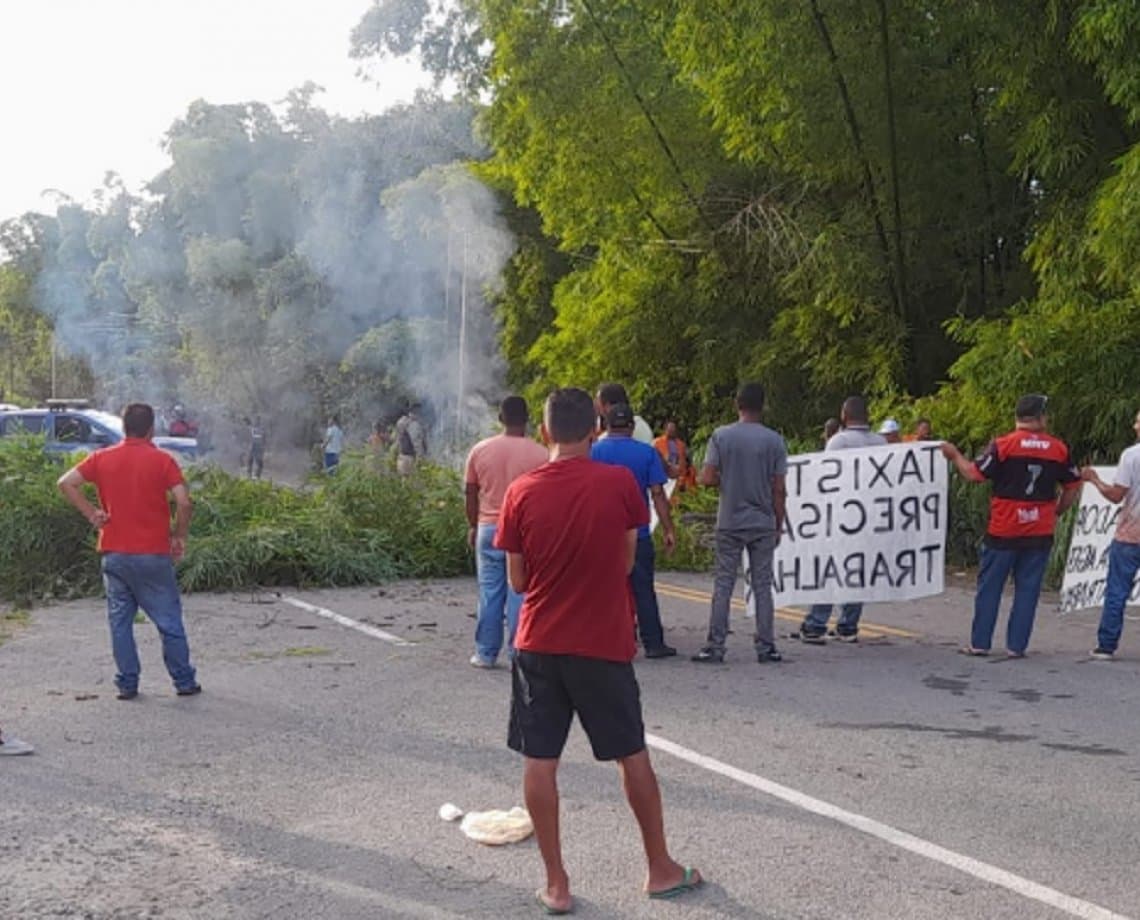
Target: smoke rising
289	264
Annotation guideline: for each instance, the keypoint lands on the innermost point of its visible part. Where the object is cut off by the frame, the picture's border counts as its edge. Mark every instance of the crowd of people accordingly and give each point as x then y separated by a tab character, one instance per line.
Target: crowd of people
565	564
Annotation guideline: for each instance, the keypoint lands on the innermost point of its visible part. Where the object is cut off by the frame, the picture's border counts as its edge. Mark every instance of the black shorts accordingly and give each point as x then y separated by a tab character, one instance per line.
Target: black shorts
546	691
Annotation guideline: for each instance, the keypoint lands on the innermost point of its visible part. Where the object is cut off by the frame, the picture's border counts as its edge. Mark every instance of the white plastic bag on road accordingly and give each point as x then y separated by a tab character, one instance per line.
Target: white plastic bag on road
496	828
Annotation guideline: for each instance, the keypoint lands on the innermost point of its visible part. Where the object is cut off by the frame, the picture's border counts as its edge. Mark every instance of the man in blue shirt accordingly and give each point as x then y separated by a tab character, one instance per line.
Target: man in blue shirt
619	448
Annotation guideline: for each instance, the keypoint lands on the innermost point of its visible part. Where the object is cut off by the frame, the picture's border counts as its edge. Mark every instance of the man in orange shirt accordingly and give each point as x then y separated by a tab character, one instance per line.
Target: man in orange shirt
675	457
137	544
492	465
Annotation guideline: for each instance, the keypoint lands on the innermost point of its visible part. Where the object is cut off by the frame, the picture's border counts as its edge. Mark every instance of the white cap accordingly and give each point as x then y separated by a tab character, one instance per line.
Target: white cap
890	426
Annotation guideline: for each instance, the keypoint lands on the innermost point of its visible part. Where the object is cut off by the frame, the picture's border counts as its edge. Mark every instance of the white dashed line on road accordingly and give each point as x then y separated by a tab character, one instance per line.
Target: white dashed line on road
1026	888
346	621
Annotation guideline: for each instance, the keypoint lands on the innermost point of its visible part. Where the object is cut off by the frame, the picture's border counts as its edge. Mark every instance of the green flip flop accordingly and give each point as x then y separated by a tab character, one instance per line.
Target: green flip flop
687	884
548	909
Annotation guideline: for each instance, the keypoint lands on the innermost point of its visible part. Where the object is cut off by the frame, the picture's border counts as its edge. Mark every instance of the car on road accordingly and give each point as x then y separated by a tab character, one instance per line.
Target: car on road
69	426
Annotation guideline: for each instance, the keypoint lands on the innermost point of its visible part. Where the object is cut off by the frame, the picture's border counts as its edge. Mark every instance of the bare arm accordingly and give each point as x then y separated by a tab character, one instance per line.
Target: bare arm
1114	493
966	468
779	503
517	574
183	511
71	486
471	506
630	550
709	476
665	516
1068	499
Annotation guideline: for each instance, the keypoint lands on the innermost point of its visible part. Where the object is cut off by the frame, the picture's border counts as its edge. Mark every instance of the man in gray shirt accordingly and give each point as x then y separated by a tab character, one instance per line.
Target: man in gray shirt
856	432
749	462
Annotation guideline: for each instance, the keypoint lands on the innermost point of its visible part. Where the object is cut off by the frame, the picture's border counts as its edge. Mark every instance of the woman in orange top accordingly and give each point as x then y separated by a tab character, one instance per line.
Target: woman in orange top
672	451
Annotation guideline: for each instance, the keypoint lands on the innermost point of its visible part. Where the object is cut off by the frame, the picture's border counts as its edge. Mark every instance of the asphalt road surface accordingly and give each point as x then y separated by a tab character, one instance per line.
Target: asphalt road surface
889	779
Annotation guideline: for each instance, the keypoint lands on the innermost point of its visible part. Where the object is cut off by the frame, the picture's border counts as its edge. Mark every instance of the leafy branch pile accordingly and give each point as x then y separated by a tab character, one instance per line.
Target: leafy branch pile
355	528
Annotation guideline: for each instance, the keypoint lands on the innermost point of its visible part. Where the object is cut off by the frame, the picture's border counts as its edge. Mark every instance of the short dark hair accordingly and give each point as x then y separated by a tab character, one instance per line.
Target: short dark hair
569	414
750	397
138	420
611	394
1031	406
513	412
855	409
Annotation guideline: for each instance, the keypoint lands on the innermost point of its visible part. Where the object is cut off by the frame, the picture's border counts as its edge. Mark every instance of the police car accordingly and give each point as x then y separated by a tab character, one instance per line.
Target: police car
68	425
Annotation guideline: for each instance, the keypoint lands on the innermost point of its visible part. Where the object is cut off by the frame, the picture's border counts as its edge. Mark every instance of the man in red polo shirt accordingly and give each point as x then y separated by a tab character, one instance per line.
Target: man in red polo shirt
569	529
1026	468
138	546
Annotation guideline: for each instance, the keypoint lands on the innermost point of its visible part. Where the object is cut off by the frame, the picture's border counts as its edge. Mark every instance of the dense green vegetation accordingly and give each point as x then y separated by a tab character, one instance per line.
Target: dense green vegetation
358	527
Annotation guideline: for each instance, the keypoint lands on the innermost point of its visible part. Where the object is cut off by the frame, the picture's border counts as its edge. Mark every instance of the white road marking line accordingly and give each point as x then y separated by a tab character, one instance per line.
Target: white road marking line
346	621
987	873
1017	884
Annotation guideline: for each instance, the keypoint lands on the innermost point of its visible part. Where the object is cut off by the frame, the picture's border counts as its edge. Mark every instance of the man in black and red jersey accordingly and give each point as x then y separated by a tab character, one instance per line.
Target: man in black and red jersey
1025	467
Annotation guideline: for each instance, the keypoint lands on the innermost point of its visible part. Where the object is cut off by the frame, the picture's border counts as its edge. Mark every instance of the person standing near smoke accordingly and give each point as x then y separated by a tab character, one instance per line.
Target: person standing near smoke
138	547
569	530
256	448
411	441
333	444
492	465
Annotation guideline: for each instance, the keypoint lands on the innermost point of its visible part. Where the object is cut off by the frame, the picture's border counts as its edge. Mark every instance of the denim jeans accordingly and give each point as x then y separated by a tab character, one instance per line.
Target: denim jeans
1123	562
848	621
1028	568
332	461
496	598
136	581
729	545
645	596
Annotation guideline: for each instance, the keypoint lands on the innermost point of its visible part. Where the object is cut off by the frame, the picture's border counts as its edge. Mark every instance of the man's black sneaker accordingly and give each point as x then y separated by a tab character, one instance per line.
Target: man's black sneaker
1102	654
845	635
126	694
190	691
708	656
662	651
768	654
810	636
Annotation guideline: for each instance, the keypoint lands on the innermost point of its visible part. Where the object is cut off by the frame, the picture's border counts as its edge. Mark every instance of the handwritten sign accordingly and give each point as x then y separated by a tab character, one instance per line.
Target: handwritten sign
866	524
1086	565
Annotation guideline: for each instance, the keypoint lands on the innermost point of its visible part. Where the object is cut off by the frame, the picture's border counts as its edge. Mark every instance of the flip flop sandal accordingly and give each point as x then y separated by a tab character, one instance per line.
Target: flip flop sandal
687	884
974	652
550	910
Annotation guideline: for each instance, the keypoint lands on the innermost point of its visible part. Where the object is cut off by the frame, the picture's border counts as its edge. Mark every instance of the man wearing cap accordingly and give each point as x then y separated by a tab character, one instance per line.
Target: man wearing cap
890	431
855	432
619	448
613	394
1026	468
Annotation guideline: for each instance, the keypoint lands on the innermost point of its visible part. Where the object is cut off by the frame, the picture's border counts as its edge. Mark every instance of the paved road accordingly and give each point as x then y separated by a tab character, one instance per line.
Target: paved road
305	781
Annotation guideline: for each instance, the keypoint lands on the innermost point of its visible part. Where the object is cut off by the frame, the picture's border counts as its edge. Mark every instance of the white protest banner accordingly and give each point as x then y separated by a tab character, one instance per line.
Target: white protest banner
1086	565
866	524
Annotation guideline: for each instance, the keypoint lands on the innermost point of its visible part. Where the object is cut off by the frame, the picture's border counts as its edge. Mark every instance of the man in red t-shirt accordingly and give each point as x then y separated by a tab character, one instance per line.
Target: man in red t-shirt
1025	468
138	546
570	533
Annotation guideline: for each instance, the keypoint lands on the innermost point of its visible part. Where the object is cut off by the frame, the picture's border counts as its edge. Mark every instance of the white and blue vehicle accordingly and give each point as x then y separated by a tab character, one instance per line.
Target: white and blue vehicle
69	426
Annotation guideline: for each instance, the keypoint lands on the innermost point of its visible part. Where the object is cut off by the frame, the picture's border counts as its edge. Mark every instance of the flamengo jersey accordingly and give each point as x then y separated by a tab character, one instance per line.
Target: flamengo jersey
1025	468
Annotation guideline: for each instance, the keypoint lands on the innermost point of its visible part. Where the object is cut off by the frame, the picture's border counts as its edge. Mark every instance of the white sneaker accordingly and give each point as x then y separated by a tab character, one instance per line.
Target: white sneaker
14	746
477	662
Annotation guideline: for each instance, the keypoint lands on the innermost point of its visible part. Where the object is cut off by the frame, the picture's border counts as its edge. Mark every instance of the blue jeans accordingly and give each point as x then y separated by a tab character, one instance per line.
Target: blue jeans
644	596
848	621
1028	568
332	461
496	598
1123	563
135	581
